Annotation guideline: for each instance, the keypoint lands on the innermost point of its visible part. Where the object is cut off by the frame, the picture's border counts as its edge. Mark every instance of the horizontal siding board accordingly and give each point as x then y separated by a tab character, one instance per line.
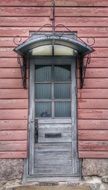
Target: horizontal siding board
13	114
11	83
93	154
93	94
25	3
24	21
82	31
93	103
13	135
13	94
13	154
13	104
15	31
81	3
93	145
58	3
68	21
100	52
82	11
90	31
10	73
10	42
13	146
80	21
93	135
92	114
97	42
59	11
92	124
25	11
96	73
7	52
98	63
96	83
13	125
9	63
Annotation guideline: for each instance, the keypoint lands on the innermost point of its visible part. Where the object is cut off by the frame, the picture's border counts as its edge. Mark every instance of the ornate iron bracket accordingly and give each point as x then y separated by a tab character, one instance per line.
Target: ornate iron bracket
23	67
84	61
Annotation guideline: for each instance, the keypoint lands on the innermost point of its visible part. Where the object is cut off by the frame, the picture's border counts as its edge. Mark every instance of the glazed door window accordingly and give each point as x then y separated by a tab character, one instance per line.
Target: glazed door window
53	91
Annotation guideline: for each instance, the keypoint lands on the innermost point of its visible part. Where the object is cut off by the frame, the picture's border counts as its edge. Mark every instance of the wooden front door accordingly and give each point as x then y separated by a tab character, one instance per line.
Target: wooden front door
53	134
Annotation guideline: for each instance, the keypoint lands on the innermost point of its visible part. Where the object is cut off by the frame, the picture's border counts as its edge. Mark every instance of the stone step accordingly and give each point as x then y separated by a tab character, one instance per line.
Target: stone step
54	187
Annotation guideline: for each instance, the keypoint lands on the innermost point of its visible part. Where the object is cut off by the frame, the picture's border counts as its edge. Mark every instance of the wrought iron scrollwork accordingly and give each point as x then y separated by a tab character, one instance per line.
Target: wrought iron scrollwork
17	40
84	61
23	67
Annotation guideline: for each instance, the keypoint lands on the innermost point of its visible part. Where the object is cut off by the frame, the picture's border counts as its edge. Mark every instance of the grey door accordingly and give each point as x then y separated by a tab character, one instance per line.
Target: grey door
53	134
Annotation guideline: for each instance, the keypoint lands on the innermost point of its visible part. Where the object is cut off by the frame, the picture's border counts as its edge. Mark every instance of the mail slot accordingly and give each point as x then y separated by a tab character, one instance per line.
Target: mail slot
53	135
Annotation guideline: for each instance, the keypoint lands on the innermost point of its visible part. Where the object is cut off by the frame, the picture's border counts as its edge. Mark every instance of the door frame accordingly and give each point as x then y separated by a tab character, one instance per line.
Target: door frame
29	162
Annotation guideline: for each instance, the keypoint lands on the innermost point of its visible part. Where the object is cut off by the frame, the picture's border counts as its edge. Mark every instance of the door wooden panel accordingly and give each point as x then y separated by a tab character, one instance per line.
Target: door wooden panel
62	133
52	156
53	141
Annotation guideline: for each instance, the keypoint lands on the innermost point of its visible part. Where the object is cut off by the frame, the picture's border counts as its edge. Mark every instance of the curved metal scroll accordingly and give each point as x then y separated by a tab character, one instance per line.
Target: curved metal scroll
23	67
84	61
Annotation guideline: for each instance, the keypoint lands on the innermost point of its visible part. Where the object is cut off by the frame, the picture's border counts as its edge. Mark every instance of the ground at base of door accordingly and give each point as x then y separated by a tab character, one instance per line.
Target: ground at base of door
89	183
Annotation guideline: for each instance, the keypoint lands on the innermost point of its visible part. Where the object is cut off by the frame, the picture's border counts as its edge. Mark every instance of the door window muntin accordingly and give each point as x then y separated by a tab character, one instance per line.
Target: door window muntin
53	80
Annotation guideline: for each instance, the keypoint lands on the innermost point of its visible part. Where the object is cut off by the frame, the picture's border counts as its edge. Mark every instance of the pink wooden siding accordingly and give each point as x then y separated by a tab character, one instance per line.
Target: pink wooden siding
89	19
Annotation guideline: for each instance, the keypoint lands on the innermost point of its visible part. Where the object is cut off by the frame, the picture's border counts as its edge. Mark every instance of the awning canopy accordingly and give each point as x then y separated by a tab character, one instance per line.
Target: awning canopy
65	40
53	44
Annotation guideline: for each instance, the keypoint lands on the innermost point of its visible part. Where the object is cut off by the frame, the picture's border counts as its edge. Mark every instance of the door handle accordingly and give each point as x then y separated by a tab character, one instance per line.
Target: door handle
36	131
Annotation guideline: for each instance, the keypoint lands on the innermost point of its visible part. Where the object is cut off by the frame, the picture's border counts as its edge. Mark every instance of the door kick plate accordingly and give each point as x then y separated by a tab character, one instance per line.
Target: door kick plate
53	135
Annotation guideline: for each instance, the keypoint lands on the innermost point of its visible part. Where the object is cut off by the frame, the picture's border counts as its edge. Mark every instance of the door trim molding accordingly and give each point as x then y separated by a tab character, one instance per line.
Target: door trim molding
29	168
31	120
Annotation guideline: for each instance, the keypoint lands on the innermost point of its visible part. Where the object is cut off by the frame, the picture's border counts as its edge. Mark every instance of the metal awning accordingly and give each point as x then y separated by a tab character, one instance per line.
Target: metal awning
71	44
68	40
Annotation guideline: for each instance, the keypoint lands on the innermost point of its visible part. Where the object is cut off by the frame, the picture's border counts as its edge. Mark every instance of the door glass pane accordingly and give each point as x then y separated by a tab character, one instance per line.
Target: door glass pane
62	73
42	73
43	91
61	91
43	109
62	109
